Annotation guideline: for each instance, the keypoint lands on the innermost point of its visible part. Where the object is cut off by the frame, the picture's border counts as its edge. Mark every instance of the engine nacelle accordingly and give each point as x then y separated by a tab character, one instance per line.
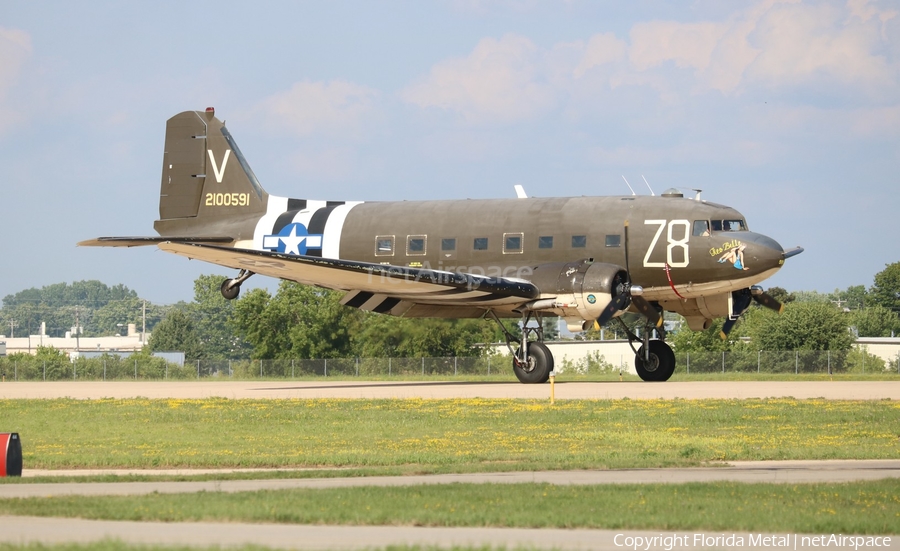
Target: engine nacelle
577	290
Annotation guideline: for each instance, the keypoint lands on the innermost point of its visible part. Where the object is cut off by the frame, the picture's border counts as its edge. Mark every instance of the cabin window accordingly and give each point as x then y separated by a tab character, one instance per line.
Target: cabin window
512	243
448	244
415	245
701	228
384	245
716	225
613	240
480	243
545	242
579	241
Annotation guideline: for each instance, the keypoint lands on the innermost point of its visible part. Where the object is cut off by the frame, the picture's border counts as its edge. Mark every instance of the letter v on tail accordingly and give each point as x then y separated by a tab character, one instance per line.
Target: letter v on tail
220	173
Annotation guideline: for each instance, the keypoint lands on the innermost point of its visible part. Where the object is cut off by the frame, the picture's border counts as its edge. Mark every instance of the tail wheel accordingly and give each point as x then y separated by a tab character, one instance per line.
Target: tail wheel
230	291
538	367
660	362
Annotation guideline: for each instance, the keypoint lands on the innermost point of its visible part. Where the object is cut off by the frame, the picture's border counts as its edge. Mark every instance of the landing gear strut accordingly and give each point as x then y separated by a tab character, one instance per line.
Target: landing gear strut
231	288
654	360
532	360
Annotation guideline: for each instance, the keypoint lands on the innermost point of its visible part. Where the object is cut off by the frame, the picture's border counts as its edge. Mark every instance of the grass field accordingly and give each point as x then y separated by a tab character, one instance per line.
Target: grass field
342	437
445	435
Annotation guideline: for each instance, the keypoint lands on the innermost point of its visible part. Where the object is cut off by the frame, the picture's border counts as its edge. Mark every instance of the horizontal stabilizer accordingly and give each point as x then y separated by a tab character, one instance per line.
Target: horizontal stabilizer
142	241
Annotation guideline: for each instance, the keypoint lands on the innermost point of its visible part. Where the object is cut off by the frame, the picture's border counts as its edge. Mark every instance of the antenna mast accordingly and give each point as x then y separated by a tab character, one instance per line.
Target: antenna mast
629	185
648	185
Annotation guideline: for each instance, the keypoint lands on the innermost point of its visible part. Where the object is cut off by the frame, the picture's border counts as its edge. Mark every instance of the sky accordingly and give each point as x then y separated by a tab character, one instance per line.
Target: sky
787	111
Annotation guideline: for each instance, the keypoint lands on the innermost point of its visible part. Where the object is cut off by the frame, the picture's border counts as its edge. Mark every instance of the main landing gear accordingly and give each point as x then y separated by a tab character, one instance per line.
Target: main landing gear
532	360
231	288
654	360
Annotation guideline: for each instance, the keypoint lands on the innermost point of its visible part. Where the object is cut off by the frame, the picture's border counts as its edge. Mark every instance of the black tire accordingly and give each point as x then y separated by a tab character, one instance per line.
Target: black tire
540	364
232	292
661	363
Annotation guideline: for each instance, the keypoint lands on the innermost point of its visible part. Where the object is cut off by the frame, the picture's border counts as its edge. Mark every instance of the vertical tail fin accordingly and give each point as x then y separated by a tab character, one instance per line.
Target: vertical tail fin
207	186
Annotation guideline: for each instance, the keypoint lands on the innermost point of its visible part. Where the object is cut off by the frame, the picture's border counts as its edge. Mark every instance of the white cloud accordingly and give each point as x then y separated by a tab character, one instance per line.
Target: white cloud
15	49
501	80
689	45
333	108
806	44
601	49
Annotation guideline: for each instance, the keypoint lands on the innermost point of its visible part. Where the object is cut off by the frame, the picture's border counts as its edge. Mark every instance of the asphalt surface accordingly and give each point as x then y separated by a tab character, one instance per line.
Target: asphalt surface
831	390
55	530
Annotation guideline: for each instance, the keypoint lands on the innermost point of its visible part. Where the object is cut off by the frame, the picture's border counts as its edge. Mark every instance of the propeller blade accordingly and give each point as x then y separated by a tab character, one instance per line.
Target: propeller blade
766	300
647	310
726	328
618	302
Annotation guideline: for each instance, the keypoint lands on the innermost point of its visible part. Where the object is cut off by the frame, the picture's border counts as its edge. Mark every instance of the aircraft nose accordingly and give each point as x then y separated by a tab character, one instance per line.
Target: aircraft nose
763	251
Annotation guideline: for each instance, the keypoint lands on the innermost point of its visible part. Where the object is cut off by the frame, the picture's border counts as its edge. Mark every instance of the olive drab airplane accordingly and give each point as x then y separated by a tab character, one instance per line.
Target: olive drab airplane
584	259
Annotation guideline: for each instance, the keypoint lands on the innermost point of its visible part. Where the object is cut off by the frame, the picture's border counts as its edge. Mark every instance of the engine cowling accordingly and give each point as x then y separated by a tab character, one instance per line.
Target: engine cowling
578	290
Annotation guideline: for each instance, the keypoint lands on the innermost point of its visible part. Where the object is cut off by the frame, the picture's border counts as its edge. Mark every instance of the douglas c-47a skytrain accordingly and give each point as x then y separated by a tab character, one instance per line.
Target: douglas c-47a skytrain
585	259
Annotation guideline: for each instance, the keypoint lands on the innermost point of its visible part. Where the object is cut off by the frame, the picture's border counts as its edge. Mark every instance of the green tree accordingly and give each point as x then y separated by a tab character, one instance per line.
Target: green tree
780	294
210	313
886	290
876	321
300	321
802	326
176	333
851	298
686	340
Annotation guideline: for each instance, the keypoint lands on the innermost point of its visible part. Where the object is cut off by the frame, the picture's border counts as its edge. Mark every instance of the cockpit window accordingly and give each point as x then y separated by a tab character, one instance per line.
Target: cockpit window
728	225
701	228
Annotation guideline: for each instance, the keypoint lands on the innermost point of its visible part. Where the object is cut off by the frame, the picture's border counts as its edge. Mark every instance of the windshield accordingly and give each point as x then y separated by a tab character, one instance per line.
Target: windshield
729	225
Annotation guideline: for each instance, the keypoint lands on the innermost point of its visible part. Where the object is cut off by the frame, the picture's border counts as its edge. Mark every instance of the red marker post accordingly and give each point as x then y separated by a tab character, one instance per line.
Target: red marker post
10	454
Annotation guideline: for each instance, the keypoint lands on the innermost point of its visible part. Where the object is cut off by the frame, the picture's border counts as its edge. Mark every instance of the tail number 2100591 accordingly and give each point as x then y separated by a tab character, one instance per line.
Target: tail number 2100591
677	235
227	199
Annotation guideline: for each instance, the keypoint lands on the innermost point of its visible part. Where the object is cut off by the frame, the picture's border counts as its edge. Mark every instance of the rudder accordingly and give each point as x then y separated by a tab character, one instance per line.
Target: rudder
205	178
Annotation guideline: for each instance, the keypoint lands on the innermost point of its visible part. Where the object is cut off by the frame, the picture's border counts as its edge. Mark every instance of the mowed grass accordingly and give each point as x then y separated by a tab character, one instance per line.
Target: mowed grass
849	508
416	435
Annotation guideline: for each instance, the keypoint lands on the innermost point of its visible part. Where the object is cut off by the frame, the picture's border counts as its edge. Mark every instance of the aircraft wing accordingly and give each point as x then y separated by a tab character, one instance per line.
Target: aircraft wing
142	241
398	290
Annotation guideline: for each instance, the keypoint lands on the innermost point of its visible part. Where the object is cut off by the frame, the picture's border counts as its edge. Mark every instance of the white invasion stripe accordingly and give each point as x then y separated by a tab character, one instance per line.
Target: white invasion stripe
275	207
331	246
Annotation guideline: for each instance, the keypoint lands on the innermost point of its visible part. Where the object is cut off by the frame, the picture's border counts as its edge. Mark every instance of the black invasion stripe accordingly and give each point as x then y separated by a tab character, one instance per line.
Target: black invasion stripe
317	224
283	220
360	299
386	305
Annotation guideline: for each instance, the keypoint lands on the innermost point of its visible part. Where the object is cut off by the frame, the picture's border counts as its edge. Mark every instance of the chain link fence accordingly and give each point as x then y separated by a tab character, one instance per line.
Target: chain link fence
112	367
794	361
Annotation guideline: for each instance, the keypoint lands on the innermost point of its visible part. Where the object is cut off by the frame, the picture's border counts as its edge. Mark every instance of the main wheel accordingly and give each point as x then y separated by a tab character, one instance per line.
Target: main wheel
230	293
660	363
539	366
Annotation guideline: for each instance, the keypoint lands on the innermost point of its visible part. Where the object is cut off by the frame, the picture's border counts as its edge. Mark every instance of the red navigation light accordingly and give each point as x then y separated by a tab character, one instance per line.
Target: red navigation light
211	110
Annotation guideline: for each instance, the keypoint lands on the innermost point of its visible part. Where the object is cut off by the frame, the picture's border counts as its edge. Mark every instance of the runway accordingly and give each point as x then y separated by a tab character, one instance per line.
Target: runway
829	390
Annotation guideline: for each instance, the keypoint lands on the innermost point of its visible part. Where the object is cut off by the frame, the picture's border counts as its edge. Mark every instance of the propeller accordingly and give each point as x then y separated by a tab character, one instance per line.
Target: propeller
627	293
741	301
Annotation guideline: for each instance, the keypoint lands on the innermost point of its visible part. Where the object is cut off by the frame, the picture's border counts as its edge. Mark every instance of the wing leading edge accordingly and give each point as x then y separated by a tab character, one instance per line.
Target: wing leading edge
397	290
